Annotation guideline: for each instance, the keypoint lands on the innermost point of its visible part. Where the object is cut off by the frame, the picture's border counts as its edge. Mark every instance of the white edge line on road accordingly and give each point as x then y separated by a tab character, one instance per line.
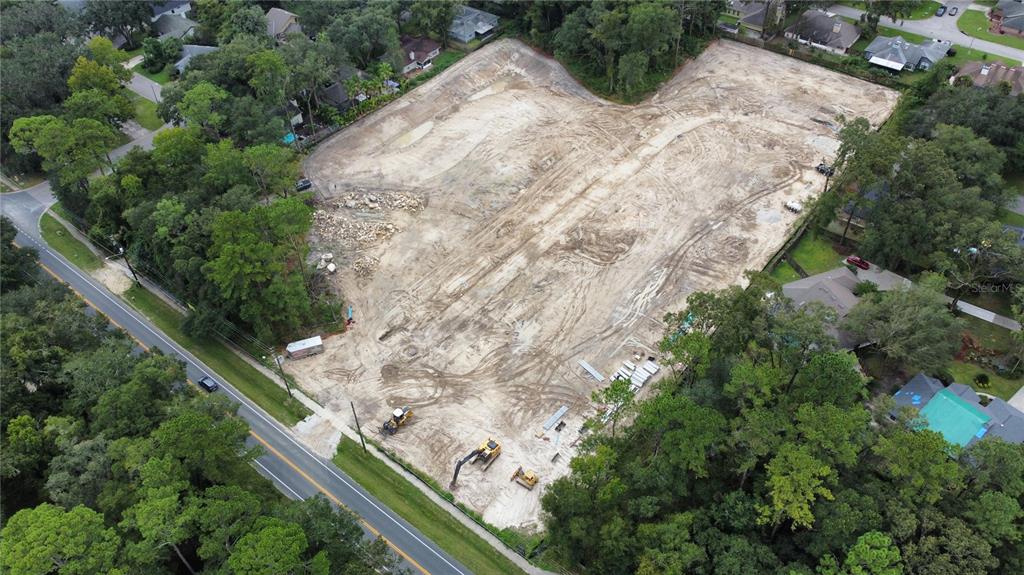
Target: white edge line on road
276	478
244	400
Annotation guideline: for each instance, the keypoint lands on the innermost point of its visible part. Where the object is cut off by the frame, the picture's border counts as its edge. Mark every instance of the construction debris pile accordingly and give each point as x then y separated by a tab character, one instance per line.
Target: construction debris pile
380	201
326	263
364	266
335	226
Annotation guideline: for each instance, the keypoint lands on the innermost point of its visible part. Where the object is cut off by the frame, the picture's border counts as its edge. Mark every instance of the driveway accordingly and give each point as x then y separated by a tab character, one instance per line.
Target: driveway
940	28
145	87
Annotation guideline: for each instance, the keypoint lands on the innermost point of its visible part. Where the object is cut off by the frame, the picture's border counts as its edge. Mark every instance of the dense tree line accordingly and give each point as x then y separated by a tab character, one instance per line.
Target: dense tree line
760	455
112	464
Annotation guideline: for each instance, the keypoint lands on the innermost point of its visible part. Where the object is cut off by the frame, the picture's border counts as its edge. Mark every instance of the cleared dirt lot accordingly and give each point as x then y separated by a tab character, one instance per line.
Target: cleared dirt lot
500	223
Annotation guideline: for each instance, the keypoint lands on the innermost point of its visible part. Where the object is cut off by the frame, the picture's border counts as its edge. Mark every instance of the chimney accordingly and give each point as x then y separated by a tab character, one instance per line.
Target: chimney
837	25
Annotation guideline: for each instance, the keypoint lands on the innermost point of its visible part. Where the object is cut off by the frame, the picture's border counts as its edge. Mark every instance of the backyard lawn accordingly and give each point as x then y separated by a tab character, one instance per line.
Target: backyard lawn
989	335
784	273
814	253
975	23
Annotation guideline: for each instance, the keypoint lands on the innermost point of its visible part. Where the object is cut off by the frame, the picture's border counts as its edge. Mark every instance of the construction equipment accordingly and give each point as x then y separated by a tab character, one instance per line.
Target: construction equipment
527	479
398	418
487	453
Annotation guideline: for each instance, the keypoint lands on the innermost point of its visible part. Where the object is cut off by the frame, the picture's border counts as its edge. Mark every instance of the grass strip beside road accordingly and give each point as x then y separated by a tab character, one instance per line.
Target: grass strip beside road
226	363
162	77
419	510
60	239
975	23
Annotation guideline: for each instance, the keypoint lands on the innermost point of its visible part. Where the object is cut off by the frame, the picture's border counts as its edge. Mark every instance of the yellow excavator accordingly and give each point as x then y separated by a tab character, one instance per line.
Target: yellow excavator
527	479
486	453
398	418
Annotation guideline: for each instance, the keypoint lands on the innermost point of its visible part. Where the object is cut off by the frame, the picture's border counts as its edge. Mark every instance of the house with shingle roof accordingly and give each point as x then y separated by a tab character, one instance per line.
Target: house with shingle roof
991	75
824	31
281	23
896	53
833	289
470	24
189	51
1007	18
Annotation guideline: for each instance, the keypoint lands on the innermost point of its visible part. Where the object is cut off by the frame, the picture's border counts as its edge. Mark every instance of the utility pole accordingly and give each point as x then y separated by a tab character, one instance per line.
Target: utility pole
358	429
124	256
280	372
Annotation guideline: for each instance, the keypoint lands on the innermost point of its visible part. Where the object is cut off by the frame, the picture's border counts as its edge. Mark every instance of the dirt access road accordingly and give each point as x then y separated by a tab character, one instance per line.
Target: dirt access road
500	223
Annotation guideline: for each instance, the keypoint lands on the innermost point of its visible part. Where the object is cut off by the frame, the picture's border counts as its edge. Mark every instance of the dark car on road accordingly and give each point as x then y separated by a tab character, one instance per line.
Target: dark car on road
303	185
941	11
207	383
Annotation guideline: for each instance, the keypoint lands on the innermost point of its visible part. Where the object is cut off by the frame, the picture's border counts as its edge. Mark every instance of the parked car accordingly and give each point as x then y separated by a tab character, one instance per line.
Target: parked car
953	11
859	262
303	185
207	383
941	11
825	169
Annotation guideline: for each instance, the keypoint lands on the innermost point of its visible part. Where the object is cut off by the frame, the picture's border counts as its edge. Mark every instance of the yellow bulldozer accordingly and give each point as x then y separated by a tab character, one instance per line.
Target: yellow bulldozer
527	479
486	453
398	418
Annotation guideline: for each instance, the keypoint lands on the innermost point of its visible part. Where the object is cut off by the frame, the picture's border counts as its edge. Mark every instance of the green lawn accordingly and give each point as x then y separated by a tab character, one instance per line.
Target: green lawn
998	386
443	60
145	112
244	377
60	239
989	335
1012	218
975	23
416	508
162	77
728	19
784	273
25	180
924	10
814	253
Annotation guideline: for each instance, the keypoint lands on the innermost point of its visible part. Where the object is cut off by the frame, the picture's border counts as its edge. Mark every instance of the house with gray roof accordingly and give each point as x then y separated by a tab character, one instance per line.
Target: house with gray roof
189	51
1007	18
337	93
171	8
833	289
281	23
898	54
170	26
751	14
824	31
958	412
470	24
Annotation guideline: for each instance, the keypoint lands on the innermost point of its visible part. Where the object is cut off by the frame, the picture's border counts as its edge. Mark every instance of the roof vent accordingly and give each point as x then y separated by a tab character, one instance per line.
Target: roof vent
837	26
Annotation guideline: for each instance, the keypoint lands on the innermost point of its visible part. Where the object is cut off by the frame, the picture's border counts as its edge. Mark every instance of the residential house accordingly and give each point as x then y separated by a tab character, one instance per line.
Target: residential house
281	23
991	75
418	53
956	411
470	24
1007	18
170	8
189	51
898	54
169	26
833	289
337	93
824	31
753	13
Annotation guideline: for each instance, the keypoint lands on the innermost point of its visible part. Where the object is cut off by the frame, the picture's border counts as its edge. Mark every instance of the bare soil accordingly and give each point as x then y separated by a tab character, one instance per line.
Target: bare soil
520	224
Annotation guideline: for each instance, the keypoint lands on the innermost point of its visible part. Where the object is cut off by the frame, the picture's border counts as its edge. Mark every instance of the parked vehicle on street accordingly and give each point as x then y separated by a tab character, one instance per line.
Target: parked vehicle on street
207	383
953	11
941	11
859	262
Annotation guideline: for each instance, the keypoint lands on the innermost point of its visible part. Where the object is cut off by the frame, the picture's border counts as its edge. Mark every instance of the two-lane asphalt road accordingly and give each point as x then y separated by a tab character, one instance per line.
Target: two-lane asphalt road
296	471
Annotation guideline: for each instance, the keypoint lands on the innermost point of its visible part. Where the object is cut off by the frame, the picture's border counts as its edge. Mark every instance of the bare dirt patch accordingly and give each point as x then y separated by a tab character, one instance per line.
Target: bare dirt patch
113	277
549	226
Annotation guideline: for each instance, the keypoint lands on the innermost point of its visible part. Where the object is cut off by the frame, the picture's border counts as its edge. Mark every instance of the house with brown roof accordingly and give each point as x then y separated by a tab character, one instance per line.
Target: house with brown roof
281	23
418	53
992	75
1007	18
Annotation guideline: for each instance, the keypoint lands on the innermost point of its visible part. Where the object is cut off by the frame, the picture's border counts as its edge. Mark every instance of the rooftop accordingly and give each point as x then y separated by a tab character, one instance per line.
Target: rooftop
896	52
991	74
1013	13
956	419
825	28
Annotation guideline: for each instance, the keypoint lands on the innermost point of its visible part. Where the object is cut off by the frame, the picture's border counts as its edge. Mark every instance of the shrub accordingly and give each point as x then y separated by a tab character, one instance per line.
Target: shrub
981	380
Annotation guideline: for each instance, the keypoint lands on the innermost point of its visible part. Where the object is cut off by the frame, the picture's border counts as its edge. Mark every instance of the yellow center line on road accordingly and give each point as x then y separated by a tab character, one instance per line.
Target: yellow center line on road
336	501
263	442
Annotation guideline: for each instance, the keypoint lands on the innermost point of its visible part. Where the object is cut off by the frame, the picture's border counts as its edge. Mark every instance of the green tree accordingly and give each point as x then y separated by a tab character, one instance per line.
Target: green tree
111	109
48	539
632	72
618	398
125	17
273	546
796	479
996	517
985	254
245	21
435	17
17	264
369	34
919	464
910	326
203	106
273	168
268	75
91	75
873	554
